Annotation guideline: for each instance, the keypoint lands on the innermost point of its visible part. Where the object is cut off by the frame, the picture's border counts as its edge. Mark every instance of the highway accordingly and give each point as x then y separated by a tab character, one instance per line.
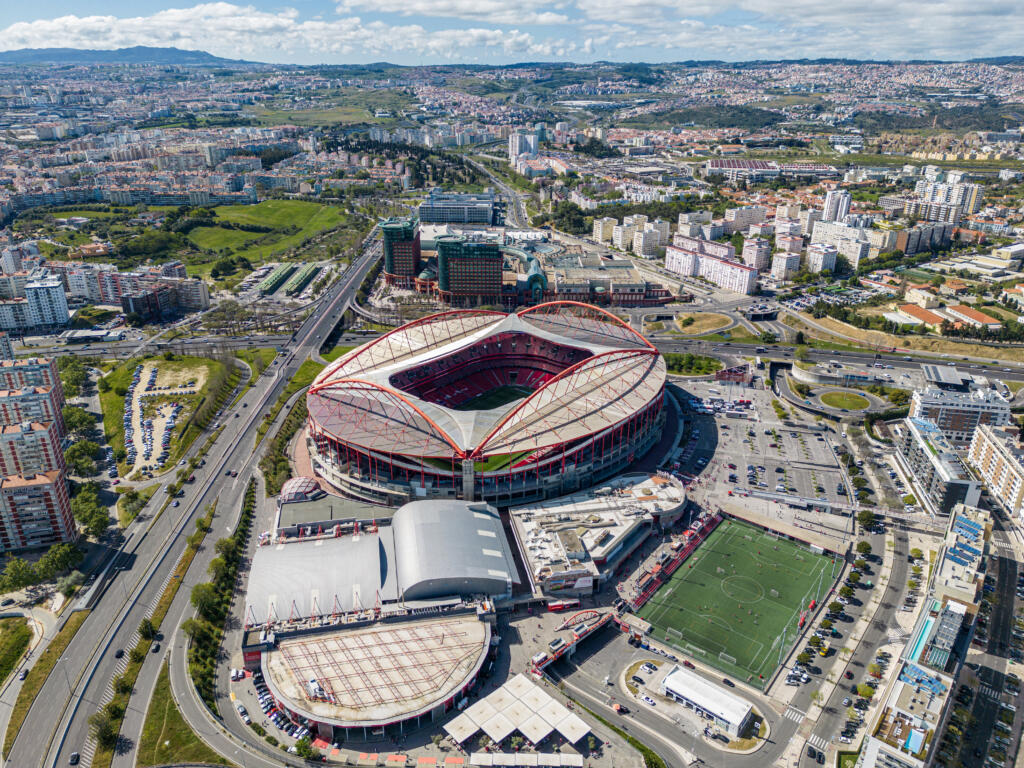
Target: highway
57	724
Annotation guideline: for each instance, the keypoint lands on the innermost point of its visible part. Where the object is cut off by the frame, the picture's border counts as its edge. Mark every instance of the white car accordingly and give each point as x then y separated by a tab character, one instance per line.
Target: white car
647	700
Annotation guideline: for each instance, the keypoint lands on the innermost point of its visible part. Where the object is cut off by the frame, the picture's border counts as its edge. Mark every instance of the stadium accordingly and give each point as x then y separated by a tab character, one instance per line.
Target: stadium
483	405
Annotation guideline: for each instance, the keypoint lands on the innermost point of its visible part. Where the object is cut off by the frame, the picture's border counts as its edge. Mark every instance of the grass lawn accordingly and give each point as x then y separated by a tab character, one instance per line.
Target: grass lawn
124	514
15	636
216	238
847	400
265	356
166	737
736	335
335	352
86	214
703	322
737	599
37	676
494	398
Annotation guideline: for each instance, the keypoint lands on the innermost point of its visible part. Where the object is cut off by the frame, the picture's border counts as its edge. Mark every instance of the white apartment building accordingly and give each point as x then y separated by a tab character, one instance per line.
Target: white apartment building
788	227
996	454
725	273
47	304
603	228
646	242
820	257
738	219
637	220
622	236
663	228
785	265
757	253
837	205
808	219
967	196
787	211
835	233
694	217
958	414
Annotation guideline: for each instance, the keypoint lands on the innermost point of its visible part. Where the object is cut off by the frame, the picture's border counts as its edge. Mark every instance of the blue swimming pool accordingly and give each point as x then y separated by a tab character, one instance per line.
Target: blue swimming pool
915	653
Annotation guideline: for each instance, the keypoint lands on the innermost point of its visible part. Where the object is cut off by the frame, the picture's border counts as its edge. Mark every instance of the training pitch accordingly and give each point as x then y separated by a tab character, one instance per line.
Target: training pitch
495	398
735	602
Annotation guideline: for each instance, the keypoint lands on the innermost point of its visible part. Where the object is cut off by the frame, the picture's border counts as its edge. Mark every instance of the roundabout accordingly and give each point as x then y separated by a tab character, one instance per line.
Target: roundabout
844	400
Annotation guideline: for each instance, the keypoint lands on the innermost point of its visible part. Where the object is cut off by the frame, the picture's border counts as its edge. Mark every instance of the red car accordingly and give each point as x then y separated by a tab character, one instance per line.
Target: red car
848	674
687	664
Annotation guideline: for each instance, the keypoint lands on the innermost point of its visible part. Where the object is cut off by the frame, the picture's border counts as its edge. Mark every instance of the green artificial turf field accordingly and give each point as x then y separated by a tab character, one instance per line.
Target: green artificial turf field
495	398
729	603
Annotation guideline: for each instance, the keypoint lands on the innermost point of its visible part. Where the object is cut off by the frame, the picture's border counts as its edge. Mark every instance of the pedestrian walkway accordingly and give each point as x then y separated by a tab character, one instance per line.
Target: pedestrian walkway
818	742
794	714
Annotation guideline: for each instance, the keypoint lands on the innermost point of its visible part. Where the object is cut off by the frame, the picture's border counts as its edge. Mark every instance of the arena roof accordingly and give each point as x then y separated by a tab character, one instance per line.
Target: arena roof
354	400
432	549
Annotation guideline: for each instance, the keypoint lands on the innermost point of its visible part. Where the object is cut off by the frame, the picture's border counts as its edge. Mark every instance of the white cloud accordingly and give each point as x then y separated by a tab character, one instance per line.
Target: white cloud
492	11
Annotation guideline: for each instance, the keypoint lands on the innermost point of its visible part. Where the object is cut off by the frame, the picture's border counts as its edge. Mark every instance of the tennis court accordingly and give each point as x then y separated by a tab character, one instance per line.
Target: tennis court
735	602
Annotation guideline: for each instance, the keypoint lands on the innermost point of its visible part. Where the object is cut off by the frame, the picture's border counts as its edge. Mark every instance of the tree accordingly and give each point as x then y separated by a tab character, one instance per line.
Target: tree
874	669
18	574
81	457
78	420
122	685
826	623
845	592
800	338
866	691
835	607
866	518
304	748
58	559
912	584
146	629
67	585
103	728
863	548
916	553
802	354
804	658
814	641
860	563
854	577
767	337
204	600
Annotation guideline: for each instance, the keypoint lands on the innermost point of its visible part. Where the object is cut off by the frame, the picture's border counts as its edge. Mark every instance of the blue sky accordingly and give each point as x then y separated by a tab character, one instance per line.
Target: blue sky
505	31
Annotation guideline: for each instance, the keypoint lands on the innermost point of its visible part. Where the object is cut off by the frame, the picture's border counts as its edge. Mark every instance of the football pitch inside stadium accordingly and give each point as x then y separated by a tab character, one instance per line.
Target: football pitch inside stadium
495	398
735	602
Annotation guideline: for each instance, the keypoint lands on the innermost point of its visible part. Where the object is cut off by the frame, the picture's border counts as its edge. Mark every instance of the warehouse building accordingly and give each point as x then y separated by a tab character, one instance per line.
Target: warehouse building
711	701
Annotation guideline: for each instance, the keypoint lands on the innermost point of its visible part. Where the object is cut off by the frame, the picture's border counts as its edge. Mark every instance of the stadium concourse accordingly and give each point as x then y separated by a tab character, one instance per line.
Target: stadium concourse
475	404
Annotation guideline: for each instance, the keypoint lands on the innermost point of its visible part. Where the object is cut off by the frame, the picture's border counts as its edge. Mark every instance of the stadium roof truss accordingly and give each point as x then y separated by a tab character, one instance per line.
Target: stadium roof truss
353	399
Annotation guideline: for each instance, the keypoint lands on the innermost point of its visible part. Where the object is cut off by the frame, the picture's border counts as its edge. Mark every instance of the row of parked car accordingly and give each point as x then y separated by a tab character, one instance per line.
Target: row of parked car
270	709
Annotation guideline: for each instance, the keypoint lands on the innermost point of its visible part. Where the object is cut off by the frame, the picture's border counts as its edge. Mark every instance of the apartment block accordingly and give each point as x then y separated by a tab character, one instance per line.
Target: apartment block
997	455
401	245
939	477
646	242
738	219
29	448
725	273
785	265
757	253
789	243
957	413
35	511
32	404
821	256
6	350
31	372
837	205
967	196
622	236
603	228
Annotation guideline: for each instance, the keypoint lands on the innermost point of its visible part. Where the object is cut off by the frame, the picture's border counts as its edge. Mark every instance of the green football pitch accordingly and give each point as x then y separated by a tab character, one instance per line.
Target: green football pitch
494	398
736	601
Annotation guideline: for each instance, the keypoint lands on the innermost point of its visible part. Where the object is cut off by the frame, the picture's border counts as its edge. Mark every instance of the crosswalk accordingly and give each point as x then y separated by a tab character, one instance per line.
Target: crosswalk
816	741
794	714
897	634
1004	545
989	691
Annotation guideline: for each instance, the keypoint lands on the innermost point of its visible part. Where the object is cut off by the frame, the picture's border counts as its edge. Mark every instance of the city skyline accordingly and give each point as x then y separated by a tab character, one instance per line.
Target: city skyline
490	32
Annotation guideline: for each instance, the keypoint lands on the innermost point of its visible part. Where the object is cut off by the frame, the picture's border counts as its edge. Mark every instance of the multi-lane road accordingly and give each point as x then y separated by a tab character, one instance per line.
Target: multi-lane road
57	723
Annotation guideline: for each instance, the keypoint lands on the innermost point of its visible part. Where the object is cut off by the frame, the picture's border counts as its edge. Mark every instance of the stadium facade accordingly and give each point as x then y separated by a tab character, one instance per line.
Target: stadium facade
480	405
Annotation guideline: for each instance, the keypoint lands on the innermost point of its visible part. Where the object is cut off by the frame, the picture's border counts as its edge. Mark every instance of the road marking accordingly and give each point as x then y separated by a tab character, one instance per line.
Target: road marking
817	741
794	714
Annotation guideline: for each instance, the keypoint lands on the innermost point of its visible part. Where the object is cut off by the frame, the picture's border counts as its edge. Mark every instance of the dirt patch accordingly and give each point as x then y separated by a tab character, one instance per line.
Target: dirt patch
703	322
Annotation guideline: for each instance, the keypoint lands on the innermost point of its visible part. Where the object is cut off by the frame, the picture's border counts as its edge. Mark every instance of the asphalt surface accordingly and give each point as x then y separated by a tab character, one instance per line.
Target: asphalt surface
57	723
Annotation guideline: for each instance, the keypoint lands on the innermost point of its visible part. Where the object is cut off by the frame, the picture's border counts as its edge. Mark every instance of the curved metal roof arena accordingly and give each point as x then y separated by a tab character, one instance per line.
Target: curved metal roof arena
613	372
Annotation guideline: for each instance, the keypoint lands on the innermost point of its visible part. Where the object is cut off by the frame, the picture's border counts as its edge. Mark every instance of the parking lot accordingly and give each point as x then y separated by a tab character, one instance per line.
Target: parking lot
758	455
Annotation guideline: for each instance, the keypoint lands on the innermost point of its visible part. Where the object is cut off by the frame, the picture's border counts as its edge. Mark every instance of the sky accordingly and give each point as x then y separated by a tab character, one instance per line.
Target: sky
508	31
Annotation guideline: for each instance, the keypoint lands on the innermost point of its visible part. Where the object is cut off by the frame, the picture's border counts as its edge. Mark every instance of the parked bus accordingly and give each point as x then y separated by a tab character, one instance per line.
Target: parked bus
562	605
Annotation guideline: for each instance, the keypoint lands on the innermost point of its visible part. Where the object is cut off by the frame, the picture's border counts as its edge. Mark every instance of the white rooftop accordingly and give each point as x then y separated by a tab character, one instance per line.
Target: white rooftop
708	696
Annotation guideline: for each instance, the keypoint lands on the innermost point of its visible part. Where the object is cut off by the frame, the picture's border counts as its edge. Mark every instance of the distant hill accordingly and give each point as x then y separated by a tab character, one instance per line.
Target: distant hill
139	54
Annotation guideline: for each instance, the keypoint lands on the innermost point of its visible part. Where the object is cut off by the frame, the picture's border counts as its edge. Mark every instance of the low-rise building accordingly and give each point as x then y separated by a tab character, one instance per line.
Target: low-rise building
709	700
920	315
971	316
924	297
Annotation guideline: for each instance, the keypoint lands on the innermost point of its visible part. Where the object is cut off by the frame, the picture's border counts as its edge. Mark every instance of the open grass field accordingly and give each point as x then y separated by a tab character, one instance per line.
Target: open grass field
166	737
14	639
335	352
735	603
847	400
494	398
216	238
